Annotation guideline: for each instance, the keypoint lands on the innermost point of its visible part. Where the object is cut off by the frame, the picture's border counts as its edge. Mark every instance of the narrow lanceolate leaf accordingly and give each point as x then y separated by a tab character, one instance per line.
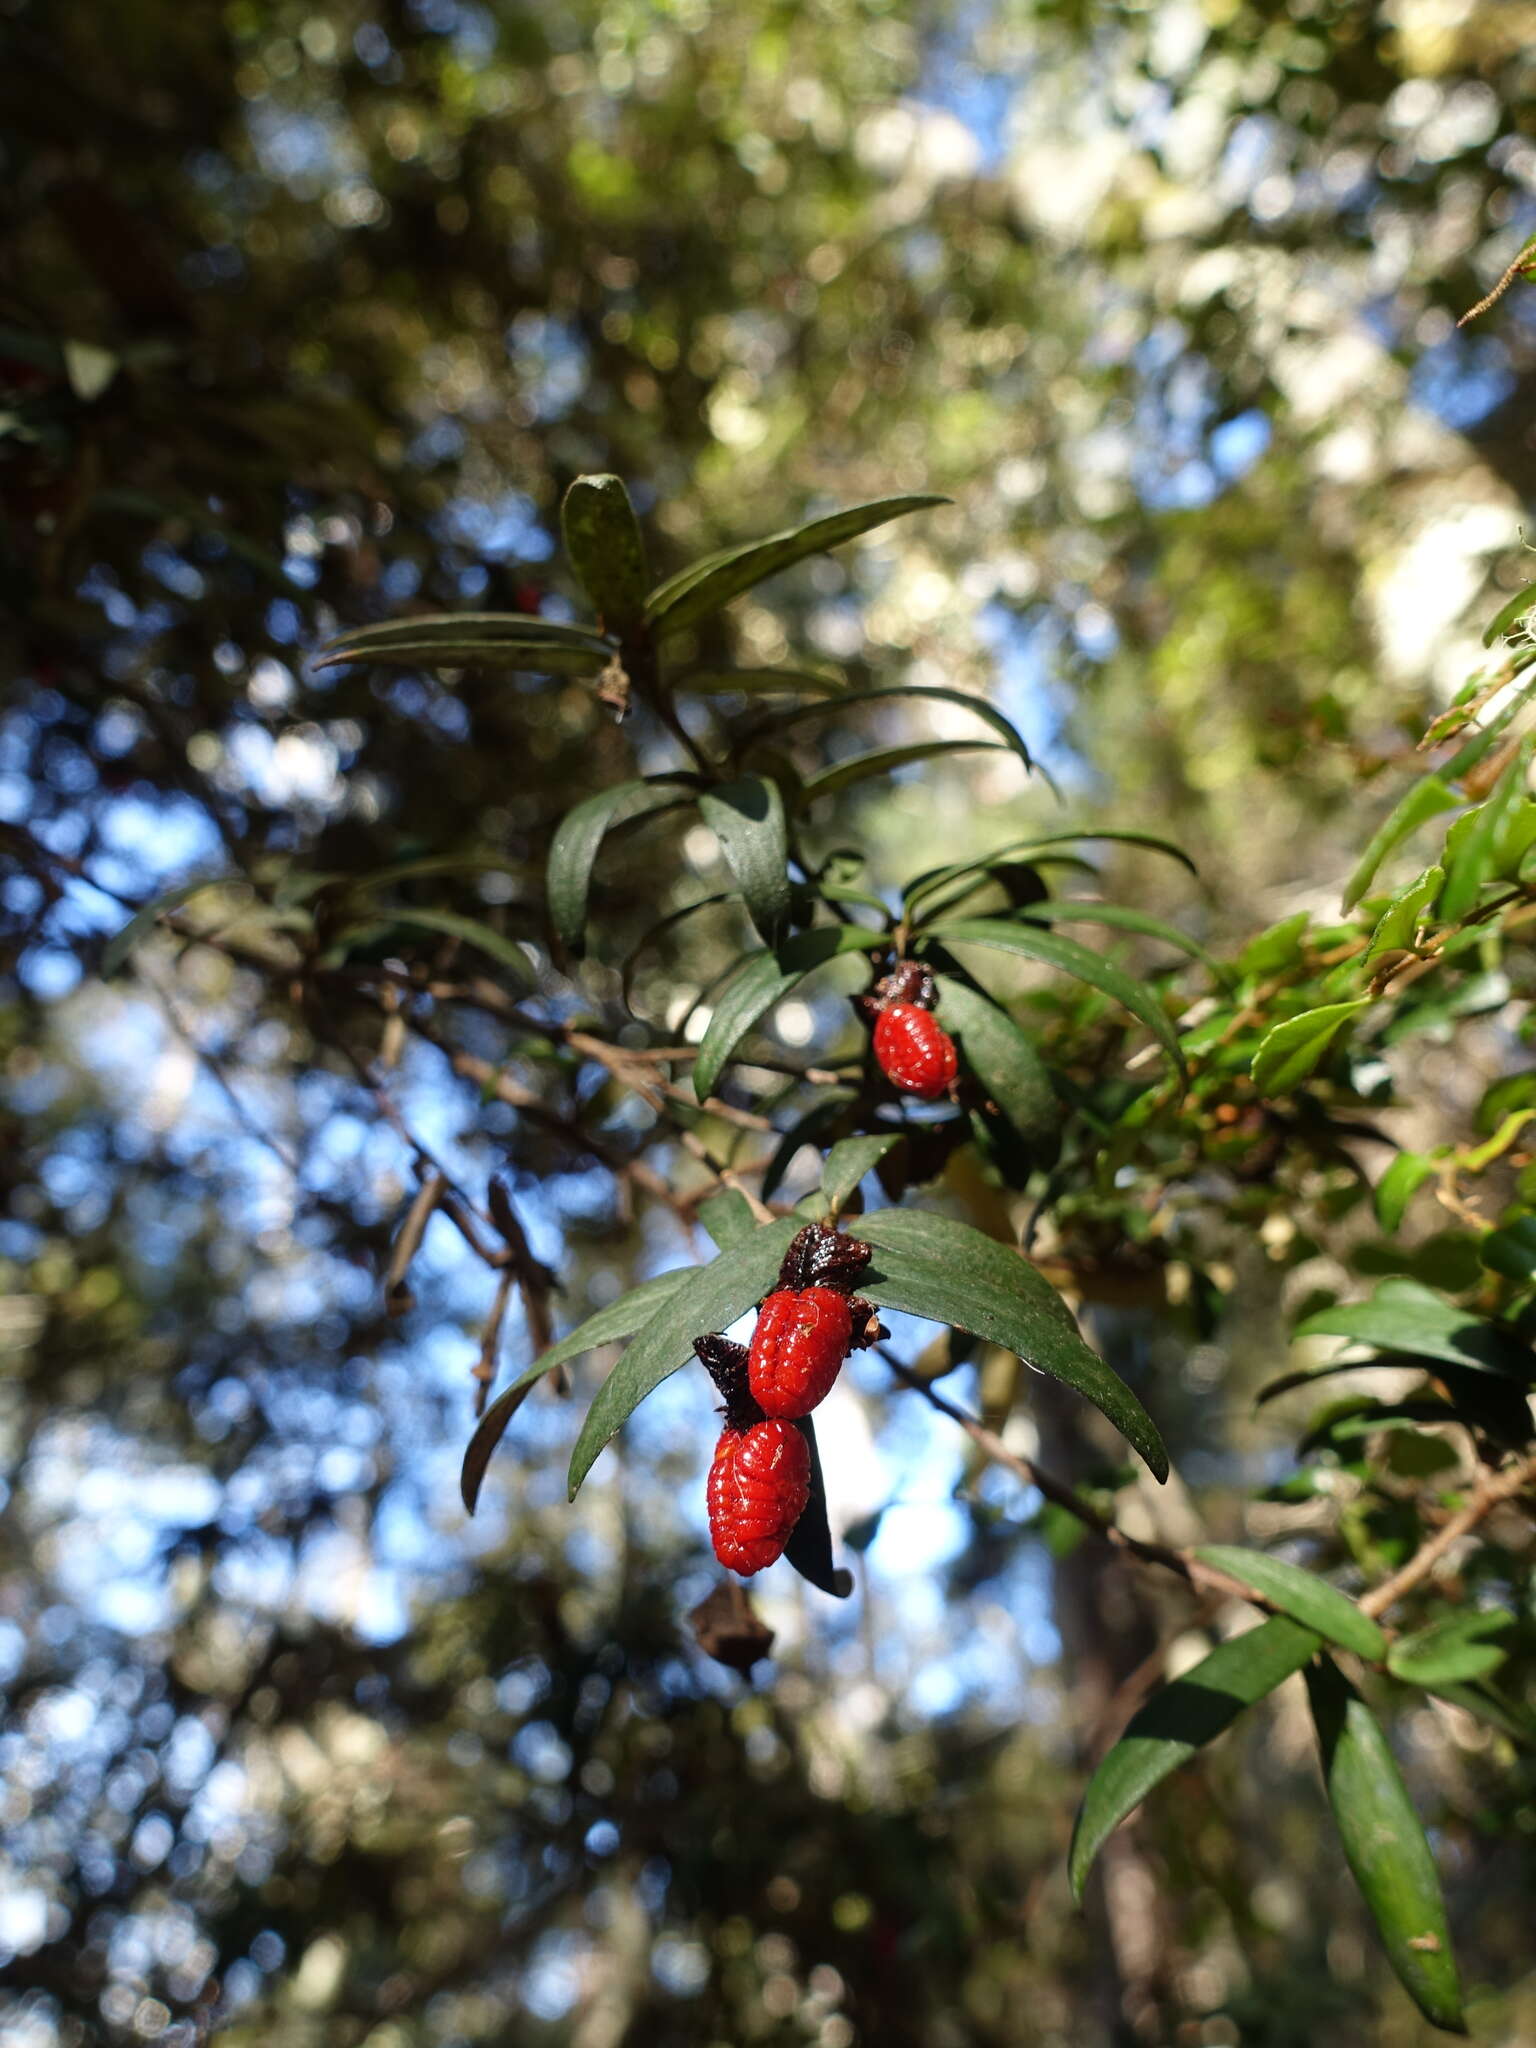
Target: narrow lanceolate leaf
848	1162
747	817
1289	1052
472	640
620	1318
1428	796
1002	1058
573	850
144	919
707	586
1473	842
1404	1315
1398	926
1385	1845
762	682
604	546
885	761
710	1298
1307	1599
934	1267
1509	616
1177	1722
1121	917
850	699
1451	1651
495	945
1052	950
809	1548
1399	1184
763	981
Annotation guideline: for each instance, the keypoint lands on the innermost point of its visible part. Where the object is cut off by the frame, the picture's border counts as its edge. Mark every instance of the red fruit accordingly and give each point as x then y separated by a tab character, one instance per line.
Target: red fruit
802	1337
914	1050
759	1484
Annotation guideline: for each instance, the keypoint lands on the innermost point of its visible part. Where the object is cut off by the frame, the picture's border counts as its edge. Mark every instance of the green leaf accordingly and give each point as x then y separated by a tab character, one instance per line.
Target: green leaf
885	761
603	545
850	699
1452	1650
148	915
1305	1598
925	885
708	585
809	1548
1399	1184
1002	1058
495	945
621	1318
710	1298
1404	1315
472	639
573	850
1472	844
728	1218
762	682
848	1162
1275	948
947	1272
764	980
1398	925
1052	950
1120	918
1385	1845
1509	615
1177	1722
1512	1250
747	817
1425	800
1290	1051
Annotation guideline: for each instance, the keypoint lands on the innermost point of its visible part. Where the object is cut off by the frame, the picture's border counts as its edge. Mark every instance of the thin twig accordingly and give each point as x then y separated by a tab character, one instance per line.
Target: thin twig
1489	1494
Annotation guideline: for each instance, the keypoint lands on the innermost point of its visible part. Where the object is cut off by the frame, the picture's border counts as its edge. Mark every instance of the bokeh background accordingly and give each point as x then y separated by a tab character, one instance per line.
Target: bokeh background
308	312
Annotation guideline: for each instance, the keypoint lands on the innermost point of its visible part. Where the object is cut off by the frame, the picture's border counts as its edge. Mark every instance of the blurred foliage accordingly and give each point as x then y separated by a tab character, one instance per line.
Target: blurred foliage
308	316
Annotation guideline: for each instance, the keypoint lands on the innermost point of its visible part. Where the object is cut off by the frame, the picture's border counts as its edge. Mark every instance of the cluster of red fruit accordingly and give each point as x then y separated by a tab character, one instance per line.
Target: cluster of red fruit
761	1476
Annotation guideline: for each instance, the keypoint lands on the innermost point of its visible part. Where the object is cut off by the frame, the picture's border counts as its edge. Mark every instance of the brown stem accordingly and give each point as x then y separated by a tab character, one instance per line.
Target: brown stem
1489	1494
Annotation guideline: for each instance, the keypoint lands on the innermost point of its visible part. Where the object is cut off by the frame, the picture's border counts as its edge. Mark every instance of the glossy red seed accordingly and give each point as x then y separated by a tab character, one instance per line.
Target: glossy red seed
759	1484
914	1050
802	1337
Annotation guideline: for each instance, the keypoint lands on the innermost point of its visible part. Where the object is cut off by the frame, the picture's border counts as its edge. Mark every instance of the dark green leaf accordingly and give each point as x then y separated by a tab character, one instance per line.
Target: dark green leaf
728	1218
1472	844
1289	1052
850	699
1397	1187
1404	1315
934	1267
809	1548
1052	950
573	850
1177	1722
1305	1598
710	1298
1121	918
148	915
1385	1845
848	1162
1452	1650
472	639
708	585
1512	1250
763	682
1398	925
747	817
885	761
1425	800
1275	948
620	1318
1508	616
495	945
1002	1058
763	981
604	546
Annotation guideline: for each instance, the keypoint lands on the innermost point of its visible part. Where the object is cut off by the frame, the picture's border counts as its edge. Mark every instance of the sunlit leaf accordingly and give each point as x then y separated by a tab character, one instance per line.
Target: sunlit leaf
728	1218
1426	799
1452	1650
707	586
1398	926
471	639
573	850
848	1162
747	817
1177	1722
1404	1315
1292	1050
495	945
603	544
1305	1598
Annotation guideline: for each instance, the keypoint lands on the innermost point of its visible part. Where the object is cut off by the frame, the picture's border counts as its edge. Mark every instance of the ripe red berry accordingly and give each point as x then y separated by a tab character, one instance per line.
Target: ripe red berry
759	1484
914	1050
802	1337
